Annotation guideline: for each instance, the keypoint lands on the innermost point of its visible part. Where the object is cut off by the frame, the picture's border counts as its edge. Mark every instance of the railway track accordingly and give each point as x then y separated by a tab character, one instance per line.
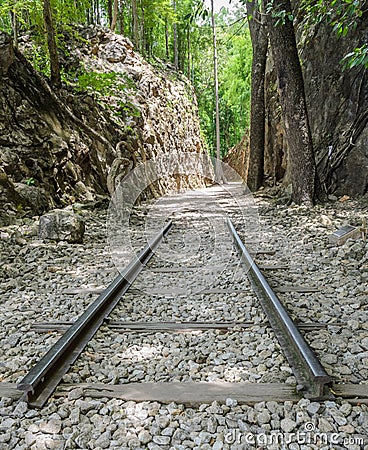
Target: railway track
186	349
43	379
211	314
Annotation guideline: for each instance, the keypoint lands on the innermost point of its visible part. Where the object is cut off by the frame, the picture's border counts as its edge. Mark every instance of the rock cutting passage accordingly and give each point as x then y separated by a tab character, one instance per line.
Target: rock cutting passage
111	114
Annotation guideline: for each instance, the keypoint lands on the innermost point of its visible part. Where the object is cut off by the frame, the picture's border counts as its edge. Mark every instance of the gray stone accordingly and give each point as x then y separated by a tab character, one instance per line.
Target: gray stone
5	437
364	343
346	409
52	426
288	425
264	417
313	408
29	438
20	409
324	425
104	440
6	423
144	436
161	440
75	394
169	431
231	402
61	225
338	417
162	421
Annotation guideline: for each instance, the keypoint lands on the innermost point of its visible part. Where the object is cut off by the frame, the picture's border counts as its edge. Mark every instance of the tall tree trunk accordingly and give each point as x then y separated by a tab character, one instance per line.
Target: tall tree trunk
109	11
188	49
143	32
259	37
98	15
175	31
14	24
167	53
135	24
218	166
293	104
115	14
121	17
51	44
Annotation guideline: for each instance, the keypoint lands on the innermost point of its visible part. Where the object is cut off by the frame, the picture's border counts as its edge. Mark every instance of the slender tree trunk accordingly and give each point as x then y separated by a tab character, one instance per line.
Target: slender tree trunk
175	30
115	14
109	11
135	24
293	104
121	17
143	33
188	49
259	37
167	40
98	15
51	43
89	15
218	167
14	25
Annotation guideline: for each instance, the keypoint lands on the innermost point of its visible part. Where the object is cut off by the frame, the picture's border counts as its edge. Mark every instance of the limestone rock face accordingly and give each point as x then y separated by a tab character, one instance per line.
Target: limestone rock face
61	225
237	157
6	53
75	145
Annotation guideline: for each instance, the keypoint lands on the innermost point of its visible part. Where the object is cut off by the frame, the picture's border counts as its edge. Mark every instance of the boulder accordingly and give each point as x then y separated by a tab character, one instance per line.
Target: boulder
61	225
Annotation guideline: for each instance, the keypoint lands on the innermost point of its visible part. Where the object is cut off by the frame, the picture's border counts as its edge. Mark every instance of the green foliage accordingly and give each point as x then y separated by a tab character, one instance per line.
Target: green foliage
109	89
358	57
100	82
37	55
279	14
27	12
156	20
30	181
235	88
342	15
154	16
234	61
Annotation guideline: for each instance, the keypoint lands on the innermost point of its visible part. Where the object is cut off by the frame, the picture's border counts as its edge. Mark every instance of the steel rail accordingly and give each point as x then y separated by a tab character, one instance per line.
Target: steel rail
41	381
311	376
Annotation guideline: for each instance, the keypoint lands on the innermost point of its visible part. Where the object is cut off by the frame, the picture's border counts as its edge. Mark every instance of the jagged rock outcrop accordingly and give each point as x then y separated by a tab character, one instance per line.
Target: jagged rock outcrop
76	145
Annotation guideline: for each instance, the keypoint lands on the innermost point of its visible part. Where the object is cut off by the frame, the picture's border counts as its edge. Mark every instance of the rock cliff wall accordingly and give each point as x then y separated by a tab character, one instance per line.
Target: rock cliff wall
76	144
338	108
338	111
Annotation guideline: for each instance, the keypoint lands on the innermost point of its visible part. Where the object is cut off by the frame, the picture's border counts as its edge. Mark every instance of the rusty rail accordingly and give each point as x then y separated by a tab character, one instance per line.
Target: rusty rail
39	384
311	376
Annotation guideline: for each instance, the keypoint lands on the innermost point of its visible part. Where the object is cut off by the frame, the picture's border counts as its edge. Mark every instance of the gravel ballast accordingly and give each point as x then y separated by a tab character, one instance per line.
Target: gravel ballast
36	276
